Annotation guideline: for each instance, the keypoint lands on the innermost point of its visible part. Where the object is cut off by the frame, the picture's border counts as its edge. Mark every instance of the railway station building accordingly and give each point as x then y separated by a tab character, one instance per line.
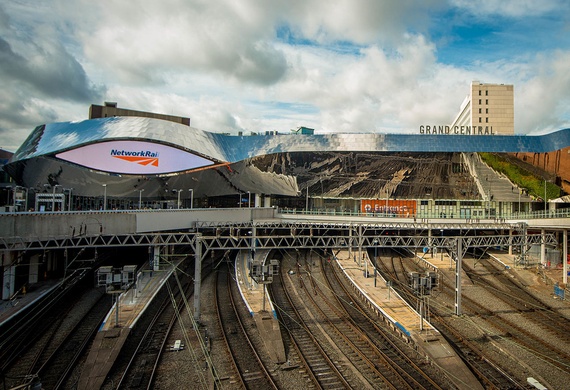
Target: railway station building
124	159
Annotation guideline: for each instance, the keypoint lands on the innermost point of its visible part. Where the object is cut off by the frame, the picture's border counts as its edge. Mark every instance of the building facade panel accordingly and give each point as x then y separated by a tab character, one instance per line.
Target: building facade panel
211	163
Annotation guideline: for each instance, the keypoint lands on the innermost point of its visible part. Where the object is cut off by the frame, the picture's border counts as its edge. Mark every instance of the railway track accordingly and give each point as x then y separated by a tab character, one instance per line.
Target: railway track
356	346
252	373
142	360
62	357
390	350
323	372
510	290
487	371
26	336
526	309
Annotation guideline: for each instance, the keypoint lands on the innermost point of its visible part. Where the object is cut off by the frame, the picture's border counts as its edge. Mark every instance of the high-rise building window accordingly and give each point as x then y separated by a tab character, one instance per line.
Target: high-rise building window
486	93
479	119
479	101
486	110
486	120
486	101
479	92
479	111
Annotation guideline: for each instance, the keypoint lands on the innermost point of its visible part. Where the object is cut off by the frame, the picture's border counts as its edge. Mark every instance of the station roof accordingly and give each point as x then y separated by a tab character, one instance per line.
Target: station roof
56	137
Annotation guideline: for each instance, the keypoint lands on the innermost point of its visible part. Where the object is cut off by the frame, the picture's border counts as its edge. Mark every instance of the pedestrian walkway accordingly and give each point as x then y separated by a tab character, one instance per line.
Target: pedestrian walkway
404	319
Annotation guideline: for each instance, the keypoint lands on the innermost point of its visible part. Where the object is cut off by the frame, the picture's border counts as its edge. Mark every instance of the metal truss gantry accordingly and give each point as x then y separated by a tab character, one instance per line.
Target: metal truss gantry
301	235
285	235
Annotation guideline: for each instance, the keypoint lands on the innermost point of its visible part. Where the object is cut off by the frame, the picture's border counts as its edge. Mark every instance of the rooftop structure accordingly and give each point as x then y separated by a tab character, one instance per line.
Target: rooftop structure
129	154
110	109
134	153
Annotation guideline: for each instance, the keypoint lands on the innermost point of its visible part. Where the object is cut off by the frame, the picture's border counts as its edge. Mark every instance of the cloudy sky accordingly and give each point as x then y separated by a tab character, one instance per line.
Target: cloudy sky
250	65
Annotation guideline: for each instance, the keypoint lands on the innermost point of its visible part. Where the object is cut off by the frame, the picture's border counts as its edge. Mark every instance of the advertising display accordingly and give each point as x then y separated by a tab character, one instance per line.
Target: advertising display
134	157
389	207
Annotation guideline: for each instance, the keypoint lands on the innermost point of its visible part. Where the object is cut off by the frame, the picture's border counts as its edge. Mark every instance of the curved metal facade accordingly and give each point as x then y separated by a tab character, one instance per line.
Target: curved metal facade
56	137
230	164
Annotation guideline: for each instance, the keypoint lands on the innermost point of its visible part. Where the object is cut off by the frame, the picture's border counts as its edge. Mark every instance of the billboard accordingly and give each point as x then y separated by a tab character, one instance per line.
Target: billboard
134	157
392	207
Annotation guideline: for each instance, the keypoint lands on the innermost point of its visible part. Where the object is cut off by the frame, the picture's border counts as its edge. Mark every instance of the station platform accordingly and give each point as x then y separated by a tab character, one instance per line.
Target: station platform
405	320
552	274
23	300
117	325
260	307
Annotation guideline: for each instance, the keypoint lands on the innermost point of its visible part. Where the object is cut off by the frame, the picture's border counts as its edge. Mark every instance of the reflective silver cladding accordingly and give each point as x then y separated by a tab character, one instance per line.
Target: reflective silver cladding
55	137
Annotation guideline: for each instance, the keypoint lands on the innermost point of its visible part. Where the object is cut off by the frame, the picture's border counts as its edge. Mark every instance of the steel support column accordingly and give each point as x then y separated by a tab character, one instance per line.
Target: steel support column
8	281
350	241
542	247
524	246
430	244
156	258
360	245
197	275
565	256
458	266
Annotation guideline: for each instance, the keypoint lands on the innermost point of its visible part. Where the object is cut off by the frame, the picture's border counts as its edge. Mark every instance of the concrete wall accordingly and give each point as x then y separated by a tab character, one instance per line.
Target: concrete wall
68	224
161	220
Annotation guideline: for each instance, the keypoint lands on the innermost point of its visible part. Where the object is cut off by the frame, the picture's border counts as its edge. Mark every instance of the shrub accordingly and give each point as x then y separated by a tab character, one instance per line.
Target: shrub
521	177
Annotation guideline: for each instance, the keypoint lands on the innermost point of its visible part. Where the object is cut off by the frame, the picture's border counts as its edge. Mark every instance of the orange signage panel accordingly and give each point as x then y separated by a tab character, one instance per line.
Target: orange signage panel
396	208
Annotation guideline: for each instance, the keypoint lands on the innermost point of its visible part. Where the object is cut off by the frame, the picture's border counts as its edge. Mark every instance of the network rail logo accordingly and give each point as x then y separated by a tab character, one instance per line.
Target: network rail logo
142	157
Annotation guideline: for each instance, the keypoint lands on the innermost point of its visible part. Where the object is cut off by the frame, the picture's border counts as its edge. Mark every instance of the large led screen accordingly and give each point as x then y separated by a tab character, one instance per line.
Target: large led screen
134	157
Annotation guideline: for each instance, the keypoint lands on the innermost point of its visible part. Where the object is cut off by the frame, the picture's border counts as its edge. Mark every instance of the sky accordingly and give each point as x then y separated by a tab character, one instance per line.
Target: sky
254	66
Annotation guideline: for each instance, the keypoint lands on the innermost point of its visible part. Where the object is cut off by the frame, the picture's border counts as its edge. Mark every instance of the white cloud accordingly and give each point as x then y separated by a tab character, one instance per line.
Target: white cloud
360	21
348	65
510	8
543	100
138	44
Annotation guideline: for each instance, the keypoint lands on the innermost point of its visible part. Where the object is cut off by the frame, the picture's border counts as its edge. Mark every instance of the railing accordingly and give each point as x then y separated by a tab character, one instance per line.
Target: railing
539	214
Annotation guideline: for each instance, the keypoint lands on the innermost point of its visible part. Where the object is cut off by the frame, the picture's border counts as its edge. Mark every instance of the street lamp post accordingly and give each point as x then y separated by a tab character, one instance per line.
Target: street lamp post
488	196
191	197
105	197
545	197
140	198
